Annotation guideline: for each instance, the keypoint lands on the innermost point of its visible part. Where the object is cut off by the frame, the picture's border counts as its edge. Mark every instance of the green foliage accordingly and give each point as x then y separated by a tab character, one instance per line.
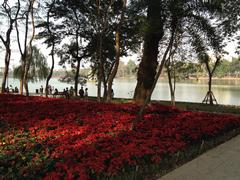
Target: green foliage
223	69
235	67
38	67
128	70
21	155
70	78
184	70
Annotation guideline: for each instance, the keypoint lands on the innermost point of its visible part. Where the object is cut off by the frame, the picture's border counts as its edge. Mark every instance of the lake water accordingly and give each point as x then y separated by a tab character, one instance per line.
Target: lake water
226	92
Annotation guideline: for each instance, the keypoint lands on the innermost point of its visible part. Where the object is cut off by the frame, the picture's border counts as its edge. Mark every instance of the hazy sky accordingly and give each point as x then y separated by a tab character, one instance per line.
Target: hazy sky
231	48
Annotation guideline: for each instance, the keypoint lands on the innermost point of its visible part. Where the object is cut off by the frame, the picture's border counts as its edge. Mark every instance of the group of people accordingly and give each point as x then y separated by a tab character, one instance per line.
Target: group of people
10	89
82	93
49	90
70	92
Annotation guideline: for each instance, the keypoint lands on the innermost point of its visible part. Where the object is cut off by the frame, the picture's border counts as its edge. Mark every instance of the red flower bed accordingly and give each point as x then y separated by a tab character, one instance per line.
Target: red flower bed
56	138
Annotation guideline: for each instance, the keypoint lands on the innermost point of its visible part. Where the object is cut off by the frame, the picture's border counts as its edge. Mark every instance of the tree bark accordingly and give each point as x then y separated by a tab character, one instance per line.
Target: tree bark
210	89
51	70
118	52
77	77
29	54
105	88
115	68
150	91
102	26
52	50
100	67
148	65
171	86
6	68
210	75
23	52
7	42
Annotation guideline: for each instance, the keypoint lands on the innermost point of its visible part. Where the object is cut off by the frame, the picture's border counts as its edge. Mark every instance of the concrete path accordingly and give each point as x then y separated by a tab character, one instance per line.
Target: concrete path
220	163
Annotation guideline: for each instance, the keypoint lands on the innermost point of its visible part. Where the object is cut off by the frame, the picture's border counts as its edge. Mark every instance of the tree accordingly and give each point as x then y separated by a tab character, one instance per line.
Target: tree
49	33
131	68
206	60
231	21
38	68
224	69
75	28
100	24
152	36
179	14
11	12
235	66
118	51
164	12
70	78
25	48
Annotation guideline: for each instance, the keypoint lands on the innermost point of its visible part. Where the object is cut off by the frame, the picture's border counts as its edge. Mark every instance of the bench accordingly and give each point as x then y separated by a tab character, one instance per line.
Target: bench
61	94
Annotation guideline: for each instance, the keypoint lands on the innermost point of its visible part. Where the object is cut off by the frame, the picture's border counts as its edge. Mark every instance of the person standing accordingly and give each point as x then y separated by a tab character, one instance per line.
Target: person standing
112	94
11	89
41	90
81	92
86	93
16	90
71	91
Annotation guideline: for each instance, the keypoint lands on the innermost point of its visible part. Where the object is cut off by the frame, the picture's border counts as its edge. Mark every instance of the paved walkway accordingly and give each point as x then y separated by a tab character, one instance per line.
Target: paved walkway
220	163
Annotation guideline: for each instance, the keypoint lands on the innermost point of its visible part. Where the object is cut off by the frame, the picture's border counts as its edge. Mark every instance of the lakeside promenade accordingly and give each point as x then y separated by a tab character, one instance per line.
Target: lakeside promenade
220	163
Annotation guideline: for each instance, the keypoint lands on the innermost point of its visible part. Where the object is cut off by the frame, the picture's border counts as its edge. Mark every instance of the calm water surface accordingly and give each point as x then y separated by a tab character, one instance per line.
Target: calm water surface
226	92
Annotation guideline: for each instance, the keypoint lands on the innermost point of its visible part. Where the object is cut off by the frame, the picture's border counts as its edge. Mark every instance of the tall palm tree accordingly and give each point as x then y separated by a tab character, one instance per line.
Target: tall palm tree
192	17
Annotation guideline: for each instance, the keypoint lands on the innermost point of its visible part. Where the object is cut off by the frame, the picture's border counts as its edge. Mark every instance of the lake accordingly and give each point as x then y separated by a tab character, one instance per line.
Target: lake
226	91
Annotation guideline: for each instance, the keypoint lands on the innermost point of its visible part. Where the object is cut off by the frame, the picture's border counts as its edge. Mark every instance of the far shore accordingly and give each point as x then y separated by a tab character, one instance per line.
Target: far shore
165	78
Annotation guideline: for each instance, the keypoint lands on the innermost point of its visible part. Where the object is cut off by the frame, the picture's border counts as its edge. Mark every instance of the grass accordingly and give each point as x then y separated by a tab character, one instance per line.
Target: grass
228	109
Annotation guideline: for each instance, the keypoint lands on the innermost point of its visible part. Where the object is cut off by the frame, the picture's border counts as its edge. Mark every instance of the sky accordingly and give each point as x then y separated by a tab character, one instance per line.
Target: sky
15	59
230	48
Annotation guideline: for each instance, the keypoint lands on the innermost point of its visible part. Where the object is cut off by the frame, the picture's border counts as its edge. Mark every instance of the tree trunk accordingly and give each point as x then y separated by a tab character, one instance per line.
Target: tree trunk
22	75
6	68
25	76
29	54
51	70
149	93
115	68
210	89
102	26
7	42
171	86
105	88
148	65
23	52
118	52
77	77
52	51
100	67
99	91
